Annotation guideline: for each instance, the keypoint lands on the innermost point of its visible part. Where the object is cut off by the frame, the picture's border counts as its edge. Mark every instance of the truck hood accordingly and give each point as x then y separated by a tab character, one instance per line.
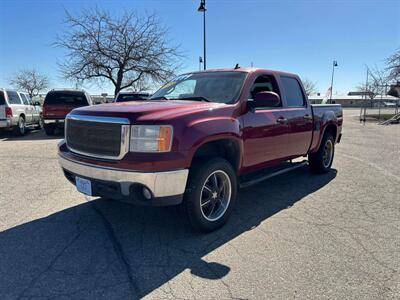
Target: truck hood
142	111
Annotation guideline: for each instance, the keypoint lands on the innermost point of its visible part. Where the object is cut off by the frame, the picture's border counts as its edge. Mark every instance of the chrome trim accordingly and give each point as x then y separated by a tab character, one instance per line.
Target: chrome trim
98	119
125	134
49	121
161	184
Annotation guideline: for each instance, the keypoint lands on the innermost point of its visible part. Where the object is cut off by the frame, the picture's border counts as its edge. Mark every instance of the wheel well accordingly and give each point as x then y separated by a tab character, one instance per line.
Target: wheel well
22	115
225	148
332	129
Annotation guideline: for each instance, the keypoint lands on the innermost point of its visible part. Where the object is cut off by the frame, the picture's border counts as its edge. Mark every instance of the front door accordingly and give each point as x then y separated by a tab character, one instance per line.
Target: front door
265	130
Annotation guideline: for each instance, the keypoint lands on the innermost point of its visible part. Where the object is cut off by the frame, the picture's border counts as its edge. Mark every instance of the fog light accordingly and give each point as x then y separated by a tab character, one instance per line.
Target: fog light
146	193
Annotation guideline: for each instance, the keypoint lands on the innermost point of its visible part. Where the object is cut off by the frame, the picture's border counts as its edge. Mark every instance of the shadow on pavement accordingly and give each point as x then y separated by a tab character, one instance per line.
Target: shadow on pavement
106	249
30	135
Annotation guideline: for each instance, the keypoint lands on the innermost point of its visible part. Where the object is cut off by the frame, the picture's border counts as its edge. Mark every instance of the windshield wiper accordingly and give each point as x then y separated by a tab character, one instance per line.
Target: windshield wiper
159	98
196	98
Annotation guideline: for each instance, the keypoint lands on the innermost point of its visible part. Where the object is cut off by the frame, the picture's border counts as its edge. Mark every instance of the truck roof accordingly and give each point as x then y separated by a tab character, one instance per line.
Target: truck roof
246	70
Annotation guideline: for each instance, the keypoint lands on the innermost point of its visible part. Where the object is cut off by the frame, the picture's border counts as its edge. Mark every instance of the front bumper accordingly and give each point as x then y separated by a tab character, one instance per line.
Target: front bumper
166	188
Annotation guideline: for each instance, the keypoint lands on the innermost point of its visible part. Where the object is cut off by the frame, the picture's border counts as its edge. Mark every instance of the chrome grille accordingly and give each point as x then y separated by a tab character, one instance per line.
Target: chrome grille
101	137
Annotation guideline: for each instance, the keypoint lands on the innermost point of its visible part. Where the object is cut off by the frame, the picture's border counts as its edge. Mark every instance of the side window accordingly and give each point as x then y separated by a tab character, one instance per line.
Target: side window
24	99
294	95
264	83
2	98
29	99
13	97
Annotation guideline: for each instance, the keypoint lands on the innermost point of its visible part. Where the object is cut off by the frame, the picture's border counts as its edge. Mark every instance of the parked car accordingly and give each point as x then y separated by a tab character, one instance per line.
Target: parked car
131	96
37	109
58	103
198	139
17	112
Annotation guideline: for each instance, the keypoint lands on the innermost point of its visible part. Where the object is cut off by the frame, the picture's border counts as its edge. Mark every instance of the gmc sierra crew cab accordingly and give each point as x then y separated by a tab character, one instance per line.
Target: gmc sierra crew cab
197	140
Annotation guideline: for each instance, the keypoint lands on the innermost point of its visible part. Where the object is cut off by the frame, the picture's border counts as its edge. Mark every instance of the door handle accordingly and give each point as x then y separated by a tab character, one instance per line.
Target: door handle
281	120
307	117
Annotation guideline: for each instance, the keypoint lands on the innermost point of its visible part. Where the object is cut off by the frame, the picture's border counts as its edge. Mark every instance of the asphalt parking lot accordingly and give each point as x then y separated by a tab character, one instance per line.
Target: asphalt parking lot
296	236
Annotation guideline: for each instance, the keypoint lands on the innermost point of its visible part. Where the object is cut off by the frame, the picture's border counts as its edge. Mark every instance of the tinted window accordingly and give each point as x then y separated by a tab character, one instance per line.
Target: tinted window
2	99
66	98
23	97
294	95
13	97
131	97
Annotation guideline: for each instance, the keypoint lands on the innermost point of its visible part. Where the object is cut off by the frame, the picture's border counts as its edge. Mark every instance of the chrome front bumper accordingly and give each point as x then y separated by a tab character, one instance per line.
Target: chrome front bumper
161	184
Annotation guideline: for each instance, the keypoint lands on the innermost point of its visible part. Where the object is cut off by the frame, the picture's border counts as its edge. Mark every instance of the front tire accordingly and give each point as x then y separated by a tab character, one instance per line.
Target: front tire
210	194
321	161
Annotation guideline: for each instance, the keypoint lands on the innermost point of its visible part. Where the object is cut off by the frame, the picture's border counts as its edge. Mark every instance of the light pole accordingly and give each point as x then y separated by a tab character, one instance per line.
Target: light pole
202	8
333	73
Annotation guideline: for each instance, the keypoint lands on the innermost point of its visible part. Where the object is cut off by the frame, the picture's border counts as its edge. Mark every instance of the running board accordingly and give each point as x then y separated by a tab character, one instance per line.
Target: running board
263	177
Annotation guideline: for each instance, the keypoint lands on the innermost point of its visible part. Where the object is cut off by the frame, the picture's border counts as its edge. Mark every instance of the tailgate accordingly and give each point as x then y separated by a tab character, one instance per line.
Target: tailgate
56	111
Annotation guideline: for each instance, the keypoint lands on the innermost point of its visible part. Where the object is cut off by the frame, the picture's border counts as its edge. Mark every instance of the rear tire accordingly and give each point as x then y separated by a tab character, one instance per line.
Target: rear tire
20	129
210	194
321	161
49	129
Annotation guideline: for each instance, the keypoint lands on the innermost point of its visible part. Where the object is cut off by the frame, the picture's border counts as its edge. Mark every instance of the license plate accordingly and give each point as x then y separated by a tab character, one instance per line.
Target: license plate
83	185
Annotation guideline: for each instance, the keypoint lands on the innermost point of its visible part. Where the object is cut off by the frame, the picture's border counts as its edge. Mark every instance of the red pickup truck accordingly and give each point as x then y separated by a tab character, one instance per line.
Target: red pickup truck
197	140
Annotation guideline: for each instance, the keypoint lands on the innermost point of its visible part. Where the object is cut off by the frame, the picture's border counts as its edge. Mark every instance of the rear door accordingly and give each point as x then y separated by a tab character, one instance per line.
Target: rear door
28	108
299	116
2	105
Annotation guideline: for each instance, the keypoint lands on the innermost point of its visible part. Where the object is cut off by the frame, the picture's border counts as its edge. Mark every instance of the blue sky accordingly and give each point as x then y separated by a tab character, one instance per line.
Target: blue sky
302	37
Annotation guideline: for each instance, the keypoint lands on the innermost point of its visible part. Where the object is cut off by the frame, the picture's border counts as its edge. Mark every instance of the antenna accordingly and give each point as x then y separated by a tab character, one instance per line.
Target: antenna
237	67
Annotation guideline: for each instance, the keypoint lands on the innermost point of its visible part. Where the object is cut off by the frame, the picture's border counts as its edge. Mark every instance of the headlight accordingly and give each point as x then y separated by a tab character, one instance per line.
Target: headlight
151	138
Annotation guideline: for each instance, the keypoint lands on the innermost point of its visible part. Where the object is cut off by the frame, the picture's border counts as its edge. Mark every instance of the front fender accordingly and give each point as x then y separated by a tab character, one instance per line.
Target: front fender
200	132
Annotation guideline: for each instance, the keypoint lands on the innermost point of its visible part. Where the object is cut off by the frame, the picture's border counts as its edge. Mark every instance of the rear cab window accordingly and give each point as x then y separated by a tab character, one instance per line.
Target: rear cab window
2	98
66	98
293	92
13	97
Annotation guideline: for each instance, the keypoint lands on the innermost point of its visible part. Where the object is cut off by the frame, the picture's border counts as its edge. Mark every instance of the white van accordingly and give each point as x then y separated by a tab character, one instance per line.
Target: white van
17	112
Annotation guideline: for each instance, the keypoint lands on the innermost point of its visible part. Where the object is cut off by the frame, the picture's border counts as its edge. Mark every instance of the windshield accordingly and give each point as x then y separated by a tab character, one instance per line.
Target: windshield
221	87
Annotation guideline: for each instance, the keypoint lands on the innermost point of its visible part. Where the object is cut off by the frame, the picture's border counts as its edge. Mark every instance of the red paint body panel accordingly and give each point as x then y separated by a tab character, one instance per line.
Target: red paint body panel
260	139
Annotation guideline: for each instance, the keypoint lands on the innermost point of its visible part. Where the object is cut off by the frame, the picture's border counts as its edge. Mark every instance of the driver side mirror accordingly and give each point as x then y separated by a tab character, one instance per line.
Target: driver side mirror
264	99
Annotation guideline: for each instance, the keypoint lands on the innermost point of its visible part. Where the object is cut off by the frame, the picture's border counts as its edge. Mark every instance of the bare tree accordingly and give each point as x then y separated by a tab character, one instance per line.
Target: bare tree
393	66
123	50
30	81
377	83
309	86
